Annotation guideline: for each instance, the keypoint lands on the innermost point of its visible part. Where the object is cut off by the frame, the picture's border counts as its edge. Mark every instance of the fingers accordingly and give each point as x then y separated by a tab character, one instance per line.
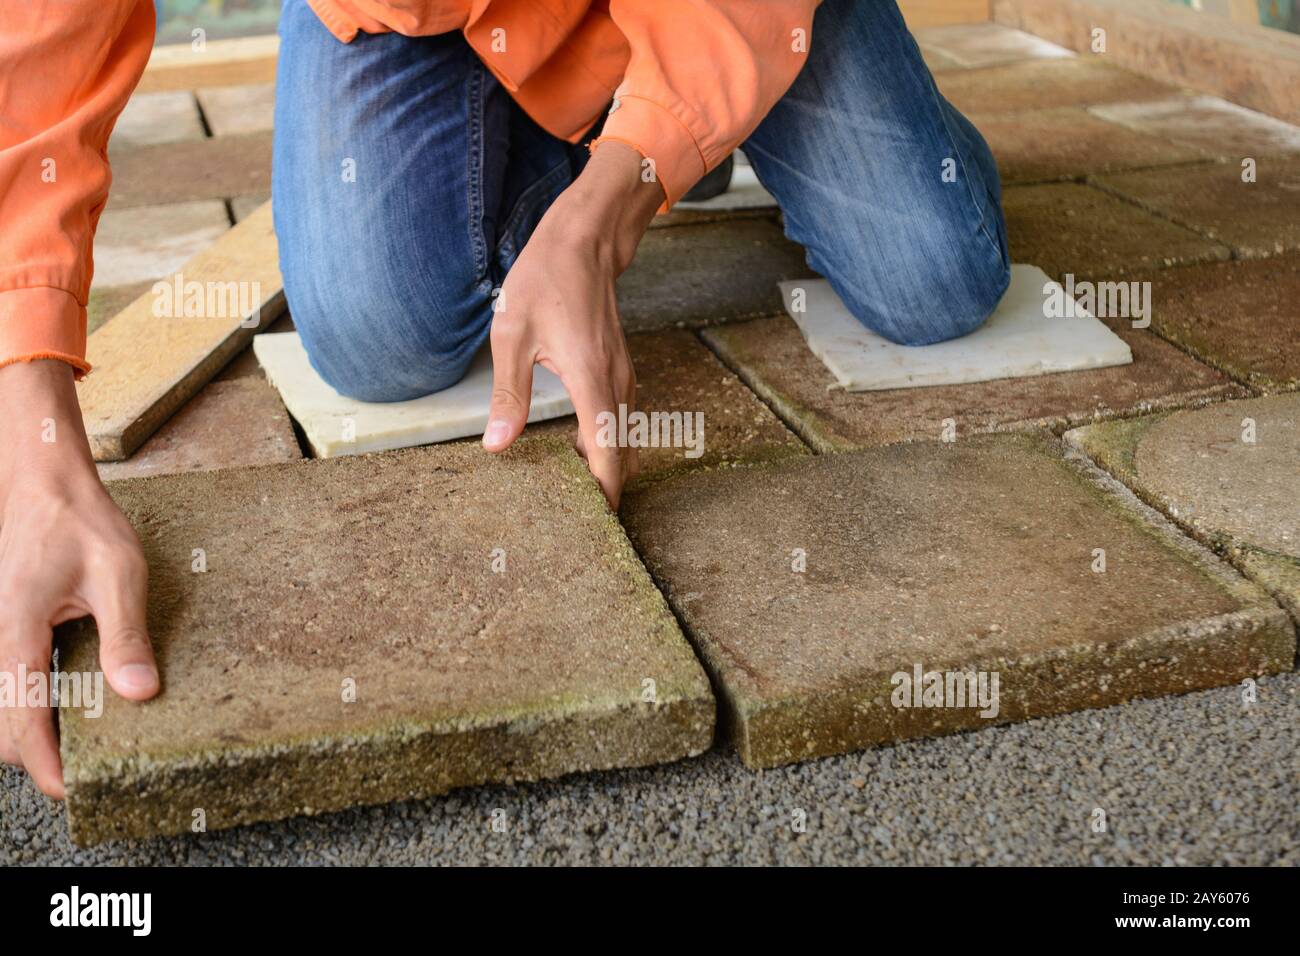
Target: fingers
512	387
29	722
118	601
593	395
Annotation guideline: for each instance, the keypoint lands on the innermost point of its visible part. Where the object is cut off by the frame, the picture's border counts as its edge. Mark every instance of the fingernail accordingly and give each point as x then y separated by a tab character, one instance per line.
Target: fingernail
137	677
498	431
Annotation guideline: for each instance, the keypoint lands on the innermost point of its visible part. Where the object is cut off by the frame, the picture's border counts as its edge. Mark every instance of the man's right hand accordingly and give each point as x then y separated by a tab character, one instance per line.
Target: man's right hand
66	552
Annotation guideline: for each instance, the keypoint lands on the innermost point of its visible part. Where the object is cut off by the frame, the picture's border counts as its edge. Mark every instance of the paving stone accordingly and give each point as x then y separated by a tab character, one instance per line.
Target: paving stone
231	110
1069	228
152	118
675	372
1068	143
1238	316
1044	84
988	44
145	242
975	557
773	359
695	275
179	172
374	574
937	60
226	425
1256	219
1217	127
1241	497
106	301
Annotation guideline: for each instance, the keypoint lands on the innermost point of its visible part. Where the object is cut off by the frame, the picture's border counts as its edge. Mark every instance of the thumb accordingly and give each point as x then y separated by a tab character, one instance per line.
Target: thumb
124	650
512	392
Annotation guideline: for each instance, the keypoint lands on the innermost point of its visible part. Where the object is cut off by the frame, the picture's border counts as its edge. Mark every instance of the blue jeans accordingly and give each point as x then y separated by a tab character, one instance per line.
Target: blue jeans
406	182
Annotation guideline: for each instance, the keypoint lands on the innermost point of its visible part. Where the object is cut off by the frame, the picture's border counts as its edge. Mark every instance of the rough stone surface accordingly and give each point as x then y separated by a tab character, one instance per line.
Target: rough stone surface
144	242
695	275
987	44
1068	143
1070	228
1044	84
226	425
1241	497
152	118
1241	317
1215	126
676	373
1256	219
773	359
971	556
232	110
204	169
378	570
1198	779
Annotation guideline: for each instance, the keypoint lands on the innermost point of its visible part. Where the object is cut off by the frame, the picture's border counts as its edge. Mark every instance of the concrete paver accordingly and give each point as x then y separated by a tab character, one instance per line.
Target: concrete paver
825	593
1044	84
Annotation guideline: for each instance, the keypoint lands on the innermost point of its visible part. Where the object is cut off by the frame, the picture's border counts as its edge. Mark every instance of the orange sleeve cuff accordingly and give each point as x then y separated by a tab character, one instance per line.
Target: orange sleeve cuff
42	322
661	137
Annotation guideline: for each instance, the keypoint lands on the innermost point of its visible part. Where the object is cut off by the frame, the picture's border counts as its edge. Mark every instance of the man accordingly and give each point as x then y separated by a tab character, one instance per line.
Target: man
434	158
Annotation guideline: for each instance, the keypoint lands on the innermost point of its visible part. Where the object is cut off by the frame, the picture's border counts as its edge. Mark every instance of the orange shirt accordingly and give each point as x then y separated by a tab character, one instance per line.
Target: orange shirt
689	79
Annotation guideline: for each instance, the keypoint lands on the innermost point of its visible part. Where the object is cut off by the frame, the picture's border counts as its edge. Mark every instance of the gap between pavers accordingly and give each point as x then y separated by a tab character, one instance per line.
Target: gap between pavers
1240	496
1240	316
350	642
1068	228
149	119
1256	219
977	556
234	110
690	276
1045	84
232	424
1069	143
770	355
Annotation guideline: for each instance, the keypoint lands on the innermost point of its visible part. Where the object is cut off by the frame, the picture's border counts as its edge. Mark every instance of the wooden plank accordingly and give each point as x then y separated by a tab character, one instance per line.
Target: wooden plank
150	358
937	13
179	66
1249	65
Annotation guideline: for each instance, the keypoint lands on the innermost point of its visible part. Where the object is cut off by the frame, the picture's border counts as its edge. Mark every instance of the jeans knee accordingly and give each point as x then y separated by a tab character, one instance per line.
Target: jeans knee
376	345
926	301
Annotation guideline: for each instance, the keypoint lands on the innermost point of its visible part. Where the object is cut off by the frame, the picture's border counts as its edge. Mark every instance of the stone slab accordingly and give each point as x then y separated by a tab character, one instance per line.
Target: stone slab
938	60
1017	340
1070	143
215	168
234	424
974	557
1255	219
232	110
988	44
772	358
155	354
144	242
152	118
1212	125
695	275
241	207
338	425
1045	84
675	372
179	66
1067	228
1240	316
1240	497
374	574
